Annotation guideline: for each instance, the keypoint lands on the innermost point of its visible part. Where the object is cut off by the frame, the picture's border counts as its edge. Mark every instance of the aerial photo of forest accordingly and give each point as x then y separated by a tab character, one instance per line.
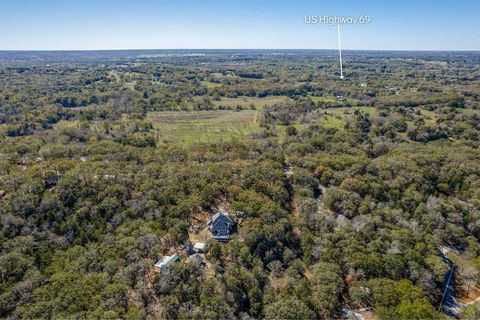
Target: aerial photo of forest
219	184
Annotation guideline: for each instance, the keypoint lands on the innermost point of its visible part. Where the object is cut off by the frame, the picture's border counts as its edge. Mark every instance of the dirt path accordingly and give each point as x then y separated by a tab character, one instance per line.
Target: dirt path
449	304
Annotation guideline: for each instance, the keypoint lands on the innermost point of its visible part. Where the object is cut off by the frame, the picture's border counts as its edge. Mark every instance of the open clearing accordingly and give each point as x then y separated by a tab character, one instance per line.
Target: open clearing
190	127
211	85
249	101
337	117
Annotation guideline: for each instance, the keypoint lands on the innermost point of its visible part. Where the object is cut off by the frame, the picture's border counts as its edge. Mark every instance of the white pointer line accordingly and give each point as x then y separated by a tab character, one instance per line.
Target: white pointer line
340	51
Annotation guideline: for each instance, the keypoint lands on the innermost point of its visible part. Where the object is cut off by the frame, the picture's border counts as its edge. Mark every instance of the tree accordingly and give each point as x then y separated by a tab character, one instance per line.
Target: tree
288	309
471	311
13	266
327	285
291	131
419	309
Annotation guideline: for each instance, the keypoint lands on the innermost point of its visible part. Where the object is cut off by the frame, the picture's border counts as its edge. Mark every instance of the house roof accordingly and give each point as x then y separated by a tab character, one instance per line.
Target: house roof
220	217
167	260
199	246
196	258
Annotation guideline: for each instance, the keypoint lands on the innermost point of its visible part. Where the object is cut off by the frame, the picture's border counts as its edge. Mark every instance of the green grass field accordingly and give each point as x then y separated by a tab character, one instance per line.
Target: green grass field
248	101
62	124
191	127
337	117
332	122
211	85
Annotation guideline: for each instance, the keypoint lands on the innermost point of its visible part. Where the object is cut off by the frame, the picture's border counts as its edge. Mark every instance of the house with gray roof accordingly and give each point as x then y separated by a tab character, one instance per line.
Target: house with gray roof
221	227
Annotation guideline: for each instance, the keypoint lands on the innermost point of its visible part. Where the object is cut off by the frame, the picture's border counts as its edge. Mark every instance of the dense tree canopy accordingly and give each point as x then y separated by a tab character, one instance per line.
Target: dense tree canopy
346	194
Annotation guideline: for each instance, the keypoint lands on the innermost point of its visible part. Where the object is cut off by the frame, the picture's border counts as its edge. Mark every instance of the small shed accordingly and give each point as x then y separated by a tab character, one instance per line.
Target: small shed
166	262
199	247
196	259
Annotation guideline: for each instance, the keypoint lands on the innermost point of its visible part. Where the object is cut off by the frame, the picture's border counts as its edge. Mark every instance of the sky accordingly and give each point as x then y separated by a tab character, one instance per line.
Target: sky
237	24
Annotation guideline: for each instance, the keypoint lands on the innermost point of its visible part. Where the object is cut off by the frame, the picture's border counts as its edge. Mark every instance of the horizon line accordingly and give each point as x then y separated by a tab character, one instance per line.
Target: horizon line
265	49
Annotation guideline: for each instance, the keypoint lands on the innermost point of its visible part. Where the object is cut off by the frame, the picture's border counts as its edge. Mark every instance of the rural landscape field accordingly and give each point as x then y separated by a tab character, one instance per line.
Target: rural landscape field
355	197
337	178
